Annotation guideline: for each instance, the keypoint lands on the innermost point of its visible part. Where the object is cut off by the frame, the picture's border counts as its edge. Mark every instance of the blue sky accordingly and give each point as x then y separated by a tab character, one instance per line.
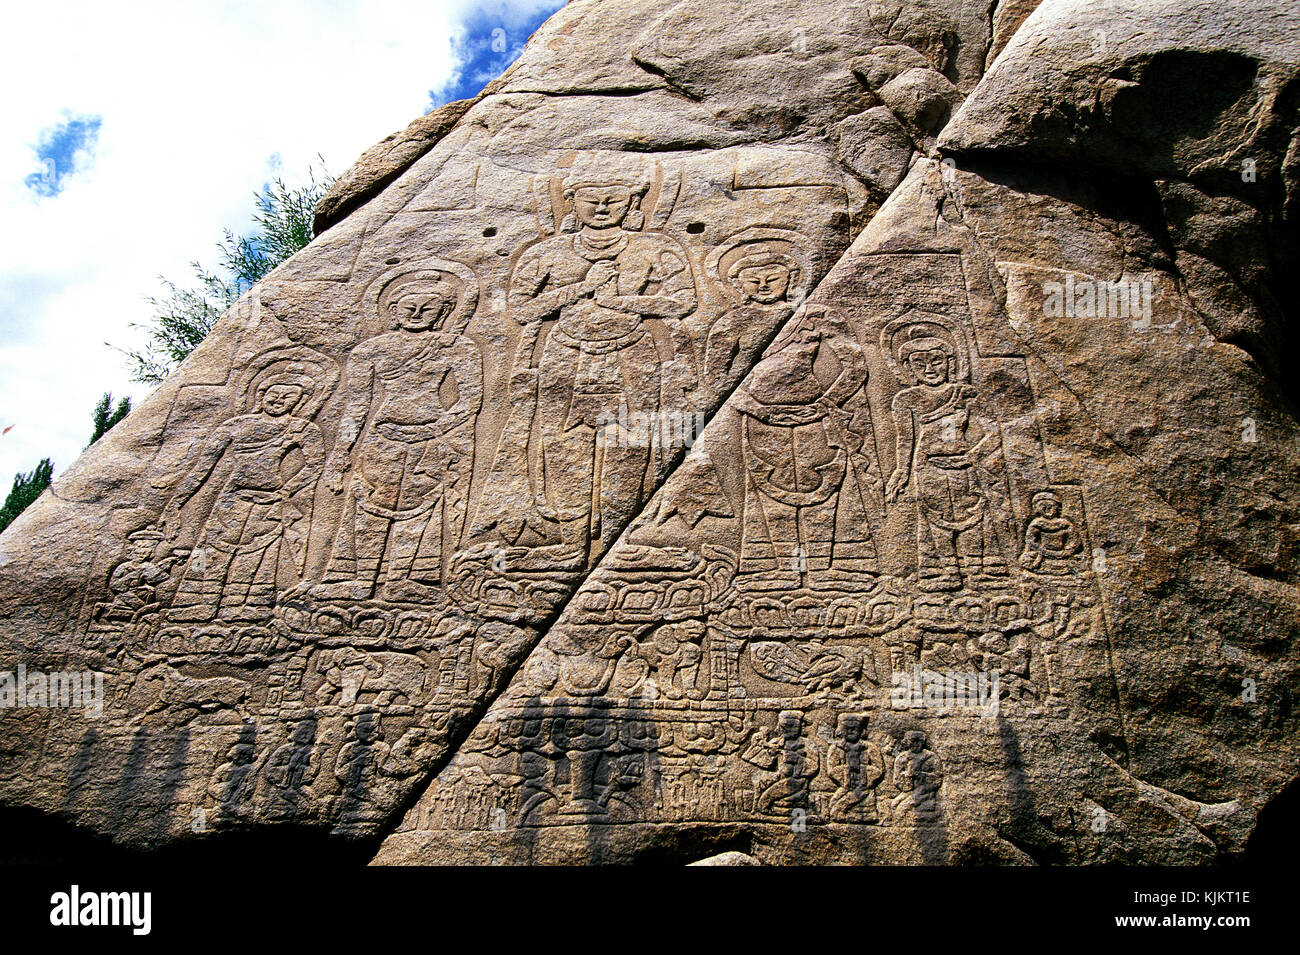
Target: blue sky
492	37
133	135
62	149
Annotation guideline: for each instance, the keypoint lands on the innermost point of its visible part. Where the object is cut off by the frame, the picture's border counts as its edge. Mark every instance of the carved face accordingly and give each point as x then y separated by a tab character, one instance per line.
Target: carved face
1047	507
424	309
852	729
765	284
930	367
601	207
281	399
367	731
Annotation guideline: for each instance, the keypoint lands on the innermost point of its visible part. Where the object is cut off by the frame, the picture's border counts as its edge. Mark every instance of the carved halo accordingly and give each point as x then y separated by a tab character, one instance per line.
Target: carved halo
315	373
761	240
424	272
917	324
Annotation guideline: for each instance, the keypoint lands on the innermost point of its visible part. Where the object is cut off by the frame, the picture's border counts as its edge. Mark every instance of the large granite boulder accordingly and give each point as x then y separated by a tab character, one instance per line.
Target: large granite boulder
779	431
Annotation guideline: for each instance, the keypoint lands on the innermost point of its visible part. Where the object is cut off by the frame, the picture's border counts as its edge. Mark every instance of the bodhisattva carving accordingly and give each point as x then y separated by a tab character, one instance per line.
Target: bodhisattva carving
949	454
766	273
250	548
587	297
405	446
812	486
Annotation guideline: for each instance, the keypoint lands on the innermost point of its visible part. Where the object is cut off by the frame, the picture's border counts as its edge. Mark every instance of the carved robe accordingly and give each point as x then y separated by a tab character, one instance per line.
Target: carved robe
599	365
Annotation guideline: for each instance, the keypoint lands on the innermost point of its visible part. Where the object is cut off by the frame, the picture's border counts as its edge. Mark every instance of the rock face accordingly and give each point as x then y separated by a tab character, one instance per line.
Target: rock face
988	551
385	161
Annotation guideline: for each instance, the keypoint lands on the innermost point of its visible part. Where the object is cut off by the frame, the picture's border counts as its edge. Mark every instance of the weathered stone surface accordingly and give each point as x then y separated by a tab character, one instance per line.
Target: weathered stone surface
876	148
1007	17
728	859
385	161
1170	88
1053	536
1202	101
412	550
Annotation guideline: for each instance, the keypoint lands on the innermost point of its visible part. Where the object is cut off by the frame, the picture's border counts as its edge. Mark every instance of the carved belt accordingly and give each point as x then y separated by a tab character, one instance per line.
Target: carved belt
830	474
948	462
256	496
408	433
603	346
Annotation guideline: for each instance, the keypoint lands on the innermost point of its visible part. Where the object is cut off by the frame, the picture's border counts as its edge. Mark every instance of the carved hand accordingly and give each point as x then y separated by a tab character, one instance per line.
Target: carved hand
897	482
171	521
954	462
792	415
452	419
607	295
335	471
599	274
832	410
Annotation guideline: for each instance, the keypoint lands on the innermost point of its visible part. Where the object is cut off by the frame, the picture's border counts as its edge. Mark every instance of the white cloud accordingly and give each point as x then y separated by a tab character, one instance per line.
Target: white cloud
197	101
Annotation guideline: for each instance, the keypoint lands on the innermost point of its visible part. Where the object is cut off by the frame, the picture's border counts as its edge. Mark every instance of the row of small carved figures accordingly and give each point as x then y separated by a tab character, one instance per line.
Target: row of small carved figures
788	776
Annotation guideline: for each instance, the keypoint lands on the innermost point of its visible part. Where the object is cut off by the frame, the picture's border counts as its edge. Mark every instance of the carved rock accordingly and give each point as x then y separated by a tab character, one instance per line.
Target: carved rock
727	433
385	161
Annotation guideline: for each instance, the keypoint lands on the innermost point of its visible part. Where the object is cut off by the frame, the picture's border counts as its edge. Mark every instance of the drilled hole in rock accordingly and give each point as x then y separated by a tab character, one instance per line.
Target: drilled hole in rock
695	228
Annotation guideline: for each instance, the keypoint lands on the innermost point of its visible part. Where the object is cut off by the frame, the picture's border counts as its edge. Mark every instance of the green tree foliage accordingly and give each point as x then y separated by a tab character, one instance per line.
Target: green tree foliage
27	488
183	317
106	415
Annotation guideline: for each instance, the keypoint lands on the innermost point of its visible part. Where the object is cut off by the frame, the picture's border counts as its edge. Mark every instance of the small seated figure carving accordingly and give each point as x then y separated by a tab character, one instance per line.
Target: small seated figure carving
916	777
1051	540
856	766
234	783
790	786
134	583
